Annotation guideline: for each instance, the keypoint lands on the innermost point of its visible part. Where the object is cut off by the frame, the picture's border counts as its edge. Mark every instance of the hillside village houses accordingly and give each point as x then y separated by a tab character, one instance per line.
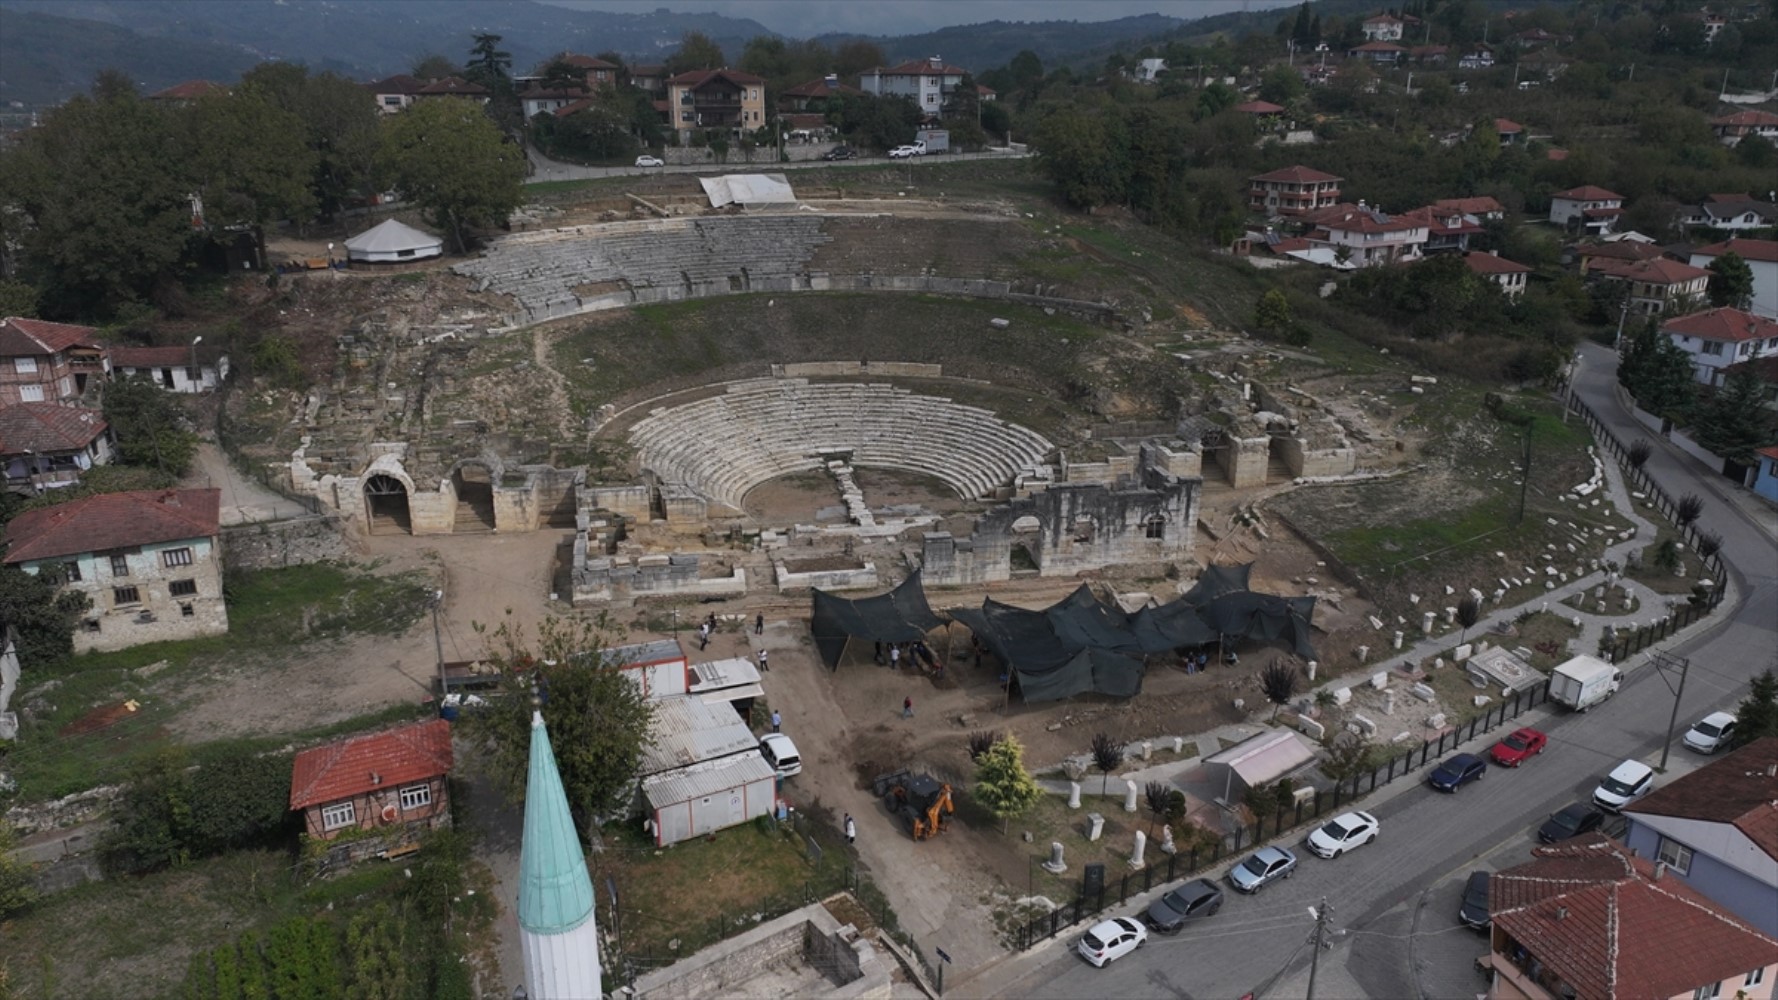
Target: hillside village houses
1730	129
930	83
1509	275
1762	259
1718	338
43	362
149	560
47	446
715	98
1383	28
1731	213
1293	190
393	781
1588	208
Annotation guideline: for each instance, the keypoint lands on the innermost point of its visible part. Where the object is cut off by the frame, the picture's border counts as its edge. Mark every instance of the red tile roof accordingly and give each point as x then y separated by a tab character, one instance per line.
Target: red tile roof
1372	221
155	357
1588	192
1747	119
699	77
112	521
1259	108
648	69
48	427
190	90
1487	263
37	336
572	107
1481	205
1771	453
818	88
1601	921
1506	126
1766	250
354	766
922	67
585	62
1625	250
1553	153
1740	789
453	86
400	83
1655	271
1382	19
1378	47
1297	175
1723	323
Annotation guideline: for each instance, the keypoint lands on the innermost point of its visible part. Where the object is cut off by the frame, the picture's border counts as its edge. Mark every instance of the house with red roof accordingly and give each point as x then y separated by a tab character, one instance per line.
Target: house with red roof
1588	208
1259	108
1762	259
1732	128
1383	28
189	91
815	93
1718	338
46	446
394	93
929	83
1717	829
537	99
1448	231
192	369
598	72
715	99
394	780
1509	275
1618	252
1765	473
1510	132
651	77
149	560
1368	237
1293	191
44	362
1382	53
1481	207
1589	917
1657	285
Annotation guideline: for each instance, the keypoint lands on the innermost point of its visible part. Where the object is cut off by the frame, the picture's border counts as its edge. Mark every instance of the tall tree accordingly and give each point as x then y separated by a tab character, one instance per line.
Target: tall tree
251	161
598	719
696	51
433	66
1279	680
451	160
1757	715
1731	281
338	125
152	430
1736	423
853	58
1002	785
488	65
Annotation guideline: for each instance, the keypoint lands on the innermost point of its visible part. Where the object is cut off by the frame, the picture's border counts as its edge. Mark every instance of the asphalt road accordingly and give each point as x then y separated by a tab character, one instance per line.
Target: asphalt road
545	170
1385	943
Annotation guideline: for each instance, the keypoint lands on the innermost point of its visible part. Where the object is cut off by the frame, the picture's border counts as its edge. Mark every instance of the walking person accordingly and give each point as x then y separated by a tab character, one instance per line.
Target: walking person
703	636
762	661
777	720
851	830
907	708
759	624
895	657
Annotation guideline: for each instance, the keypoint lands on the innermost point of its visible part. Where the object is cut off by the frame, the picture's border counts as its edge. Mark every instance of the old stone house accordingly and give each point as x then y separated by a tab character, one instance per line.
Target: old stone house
46	446
394	780
44	362
149	560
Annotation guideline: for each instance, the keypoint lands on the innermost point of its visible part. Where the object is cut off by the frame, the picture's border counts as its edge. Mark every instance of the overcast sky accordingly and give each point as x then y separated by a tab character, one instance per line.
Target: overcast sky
803	18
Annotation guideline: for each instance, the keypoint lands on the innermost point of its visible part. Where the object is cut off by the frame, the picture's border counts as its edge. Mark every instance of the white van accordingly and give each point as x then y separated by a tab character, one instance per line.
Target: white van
779	752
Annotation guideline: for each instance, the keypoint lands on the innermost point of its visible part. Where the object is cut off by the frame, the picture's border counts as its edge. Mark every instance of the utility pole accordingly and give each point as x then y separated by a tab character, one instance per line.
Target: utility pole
1664	661
438	641
1524	473
1321	914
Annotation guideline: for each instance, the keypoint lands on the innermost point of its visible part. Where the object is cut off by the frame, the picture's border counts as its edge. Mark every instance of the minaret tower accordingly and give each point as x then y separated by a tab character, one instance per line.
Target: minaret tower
557	931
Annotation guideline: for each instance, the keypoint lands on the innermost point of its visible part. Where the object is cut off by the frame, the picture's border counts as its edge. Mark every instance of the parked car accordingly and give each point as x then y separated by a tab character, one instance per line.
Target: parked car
1457	771
1267	865
1111	939
1194	900
1572	821
840	153
650	161
902	152
1342	833
1474	909
1711	733
1518	746
1625	784
781	753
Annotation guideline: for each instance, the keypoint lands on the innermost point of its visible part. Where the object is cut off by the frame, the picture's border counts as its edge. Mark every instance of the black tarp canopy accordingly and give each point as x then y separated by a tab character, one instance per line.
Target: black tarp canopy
901	615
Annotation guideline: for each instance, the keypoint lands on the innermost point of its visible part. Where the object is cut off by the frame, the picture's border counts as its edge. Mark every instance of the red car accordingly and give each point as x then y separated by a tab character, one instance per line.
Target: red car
1512	751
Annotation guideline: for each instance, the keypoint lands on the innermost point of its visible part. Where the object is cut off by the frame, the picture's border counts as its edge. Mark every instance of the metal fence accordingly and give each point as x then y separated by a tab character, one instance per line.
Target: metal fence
1343	793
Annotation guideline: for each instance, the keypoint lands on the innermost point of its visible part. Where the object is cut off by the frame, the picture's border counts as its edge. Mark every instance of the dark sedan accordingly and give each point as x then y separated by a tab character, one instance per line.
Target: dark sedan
1474	910
1572	821
840	153
1191	901
1457	771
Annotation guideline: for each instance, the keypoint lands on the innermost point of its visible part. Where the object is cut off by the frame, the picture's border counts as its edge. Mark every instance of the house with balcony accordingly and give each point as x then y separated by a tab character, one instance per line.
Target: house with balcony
1509	275
1717	830
597	72
1511	133
1589	917
381	788
1731	213
930	83
1482	208
1368	237
1588	208
1383	28
715	99
1762	259
44	362
651	77
1381	53
1478	57
1718	338
47	446
1658	285
1732	128
1293	191
149	560
1590	256
1447	231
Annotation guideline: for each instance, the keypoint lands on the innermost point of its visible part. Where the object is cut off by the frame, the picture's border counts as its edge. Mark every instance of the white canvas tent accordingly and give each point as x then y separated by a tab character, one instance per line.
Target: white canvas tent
391	241
748	189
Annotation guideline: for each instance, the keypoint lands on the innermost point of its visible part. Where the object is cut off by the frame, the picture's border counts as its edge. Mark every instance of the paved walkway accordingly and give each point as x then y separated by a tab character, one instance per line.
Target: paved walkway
545	169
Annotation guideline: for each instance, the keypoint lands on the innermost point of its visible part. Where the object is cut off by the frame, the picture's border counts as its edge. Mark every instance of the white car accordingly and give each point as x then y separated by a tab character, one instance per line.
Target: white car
1625	784
1342	833
1711	733
650	161
902	152
1111	939
779	752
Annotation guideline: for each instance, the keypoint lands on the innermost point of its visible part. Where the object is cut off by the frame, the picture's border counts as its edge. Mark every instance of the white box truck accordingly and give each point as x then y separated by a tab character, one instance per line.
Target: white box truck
933	140
1583	682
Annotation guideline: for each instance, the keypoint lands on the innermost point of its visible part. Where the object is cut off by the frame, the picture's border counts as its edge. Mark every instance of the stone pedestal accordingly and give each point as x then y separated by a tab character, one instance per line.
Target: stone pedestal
1095	826
1129	796
1055	865
1397	640
1141	846
1074	795
1313	666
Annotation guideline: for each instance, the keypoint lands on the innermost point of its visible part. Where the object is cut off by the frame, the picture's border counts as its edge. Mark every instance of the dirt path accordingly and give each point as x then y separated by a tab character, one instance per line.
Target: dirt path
243	498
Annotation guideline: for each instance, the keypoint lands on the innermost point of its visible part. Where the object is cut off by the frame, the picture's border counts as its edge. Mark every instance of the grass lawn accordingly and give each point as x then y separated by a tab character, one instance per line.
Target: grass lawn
85	739
1665	581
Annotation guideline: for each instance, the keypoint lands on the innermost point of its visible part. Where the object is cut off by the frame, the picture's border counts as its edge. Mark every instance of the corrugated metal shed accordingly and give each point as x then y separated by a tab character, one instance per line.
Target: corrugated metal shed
688	731
653	651
718	674
711	777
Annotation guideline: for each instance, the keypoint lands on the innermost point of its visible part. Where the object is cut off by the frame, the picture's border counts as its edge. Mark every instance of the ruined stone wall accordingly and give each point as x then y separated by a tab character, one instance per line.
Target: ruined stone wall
629	501
1308	461
850	966
1184	462
858	578
1243	460
856	369
433	512
277	544
599	579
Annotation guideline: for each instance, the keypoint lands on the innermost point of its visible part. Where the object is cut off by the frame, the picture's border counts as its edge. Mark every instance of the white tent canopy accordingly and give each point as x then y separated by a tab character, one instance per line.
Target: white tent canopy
393	241
748	189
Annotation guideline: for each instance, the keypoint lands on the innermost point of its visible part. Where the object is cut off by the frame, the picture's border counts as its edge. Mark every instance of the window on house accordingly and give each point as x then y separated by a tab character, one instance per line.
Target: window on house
176	557
1755	977
1711	347
24	366
416	796
30	394
183	588
91	625
336	816
120	564
125	595
1676	855
70	572
1156	527
193	375
1710	992
187	611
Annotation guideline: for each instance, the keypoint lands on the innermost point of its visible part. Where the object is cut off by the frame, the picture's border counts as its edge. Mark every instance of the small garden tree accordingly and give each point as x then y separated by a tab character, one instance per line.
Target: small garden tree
1469	611
1166	804
1002	785
1107	756
1640	452
1709	544
1688	510
980	742
1278	680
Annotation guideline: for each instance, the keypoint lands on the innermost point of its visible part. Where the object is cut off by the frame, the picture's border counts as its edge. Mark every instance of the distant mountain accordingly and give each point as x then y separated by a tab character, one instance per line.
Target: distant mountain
978	47
45	59
359	38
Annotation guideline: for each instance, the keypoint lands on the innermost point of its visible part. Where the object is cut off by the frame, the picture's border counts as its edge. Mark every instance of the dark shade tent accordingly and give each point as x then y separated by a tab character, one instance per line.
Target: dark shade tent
901	615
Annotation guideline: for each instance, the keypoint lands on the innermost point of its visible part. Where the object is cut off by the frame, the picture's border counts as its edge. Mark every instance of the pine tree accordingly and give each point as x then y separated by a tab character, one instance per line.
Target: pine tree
1002	785
1757	715
1736	424
1731	281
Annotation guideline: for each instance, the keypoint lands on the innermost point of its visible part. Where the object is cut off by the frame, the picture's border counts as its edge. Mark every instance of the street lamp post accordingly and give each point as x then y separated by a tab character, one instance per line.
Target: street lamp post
196	376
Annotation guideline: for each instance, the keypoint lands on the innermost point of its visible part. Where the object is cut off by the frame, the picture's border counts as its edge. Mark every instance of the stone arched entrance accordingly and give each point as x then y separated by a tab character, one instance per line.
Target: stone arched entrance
474	485
386	506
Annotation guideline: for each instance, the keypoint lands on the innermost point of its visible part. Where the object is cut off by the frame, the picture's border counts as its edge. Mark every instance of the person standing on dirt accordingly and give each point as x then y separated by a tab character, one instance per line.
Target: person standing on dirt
703	636
759	624
851	830
762	661
895	656
907	708
777	720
